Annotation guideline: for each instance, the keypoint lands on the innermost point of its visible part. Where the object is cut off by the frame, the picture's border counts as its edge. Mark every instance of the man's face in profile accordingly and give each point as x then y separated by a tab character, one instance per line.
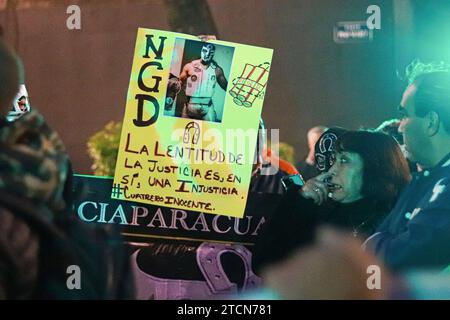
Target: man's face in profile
207	53
413	128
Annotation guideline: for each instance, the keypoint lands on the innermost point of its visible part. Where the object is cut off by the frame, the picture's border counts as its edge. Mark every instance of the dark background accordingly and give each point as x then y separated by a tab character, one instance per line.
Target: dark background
79	78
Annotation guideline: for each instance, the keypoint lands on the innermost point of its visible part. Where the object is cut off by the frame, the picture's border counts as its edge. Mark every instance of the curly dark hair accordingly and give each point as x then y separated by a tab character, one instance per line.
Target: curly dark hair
385	169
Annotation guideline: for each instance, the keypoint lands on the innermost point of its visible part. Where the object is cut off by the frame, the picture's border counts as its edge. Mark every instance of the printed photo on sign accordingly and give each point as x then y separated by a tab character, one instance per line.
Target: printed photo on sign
198	80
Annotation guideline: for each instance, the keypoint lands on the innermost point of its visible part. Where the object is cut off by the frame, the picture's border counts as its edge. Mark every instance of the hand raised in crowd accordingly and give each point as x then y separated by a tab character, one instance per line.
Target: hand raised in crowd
316	188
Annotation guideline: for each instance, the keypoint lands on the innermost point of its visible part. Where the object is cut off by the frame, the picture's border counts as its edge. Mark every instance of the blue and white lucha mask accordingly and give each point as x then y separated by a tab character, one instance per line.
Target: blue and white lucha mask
207	52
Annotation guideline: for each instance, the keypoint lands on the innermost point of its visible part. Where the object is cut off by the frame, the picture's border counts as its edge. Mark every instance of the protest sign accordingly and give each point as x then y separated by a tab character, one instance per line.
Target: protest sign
191	123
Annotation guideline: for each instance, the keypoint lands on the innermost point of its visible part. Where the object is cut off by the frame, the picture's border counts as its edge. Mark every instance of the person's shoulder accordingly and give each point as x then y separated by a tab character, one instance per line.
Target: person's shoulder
434	198
14	228
190	64
216	66
439	191
437	181
21	245
195	62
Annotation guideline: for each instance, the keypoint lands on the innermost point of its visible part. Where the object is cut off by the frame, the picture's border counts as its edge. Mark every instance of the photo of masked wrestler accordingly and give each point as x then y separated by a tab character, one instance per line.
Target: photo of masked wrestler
197	69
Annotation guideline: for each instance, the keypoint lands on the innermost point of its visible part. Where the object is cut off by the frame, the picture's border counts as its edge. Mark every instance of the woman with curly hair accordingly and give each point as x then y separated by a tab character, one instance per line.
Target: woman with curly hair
356	193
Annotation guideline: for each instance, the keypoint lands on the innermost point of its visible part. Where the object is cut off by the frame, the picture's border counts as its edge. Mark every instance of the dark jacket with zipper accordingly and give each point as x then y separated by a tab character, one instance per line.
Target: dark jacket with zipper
416	234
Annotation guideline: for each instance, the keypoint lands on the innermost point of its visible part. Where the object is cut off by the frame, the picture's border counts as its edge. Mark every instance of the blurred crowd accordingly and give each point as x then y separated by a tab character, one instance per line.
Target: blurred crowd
366	217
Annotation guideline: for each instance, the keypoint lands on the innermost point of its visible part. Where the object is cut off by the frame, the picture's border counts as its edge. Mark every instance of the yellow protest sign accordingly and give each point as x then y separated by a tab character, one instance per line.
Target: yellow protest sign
190	126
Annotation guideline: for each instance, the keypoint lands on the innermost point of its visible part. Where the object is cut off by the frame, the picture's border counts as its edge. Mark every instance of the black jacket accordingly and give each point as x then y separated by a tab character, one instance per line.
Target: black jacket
416	234
294	223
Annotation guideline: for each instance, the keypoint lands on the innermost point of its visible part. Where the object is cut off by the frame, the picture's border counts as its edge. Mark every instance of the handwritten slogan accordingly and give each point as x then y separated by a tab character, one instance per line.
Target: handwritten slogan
189	136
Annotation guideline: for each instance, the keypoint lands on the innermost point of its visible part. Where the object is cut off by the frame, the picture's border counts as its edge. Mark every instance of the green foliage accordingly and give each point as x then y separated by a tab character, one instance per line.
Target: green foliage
287	152
103	148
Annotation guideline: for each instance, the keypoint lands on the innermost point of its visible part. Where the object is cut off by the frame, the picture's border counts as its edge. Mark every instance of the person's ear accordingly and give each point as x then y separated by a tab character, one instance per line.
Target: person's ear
433	123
